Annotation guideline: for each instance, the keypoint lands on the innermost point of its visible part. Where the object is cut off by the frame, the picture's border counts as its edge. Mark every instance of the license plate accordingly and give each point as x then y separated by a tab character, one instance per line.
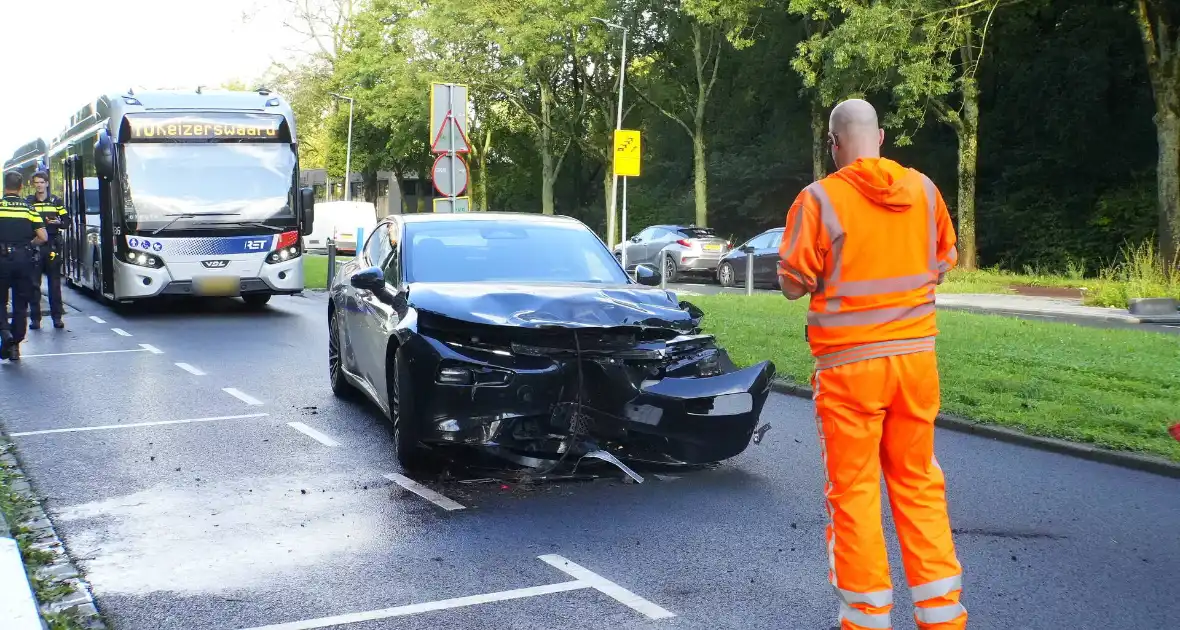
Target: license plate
346	237
713	247
217	285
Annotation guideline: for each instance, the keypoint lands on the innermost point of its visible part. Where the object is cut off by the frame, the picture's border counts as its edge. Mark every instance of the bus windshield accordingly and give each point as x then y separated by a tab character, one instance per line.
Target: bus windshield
219	183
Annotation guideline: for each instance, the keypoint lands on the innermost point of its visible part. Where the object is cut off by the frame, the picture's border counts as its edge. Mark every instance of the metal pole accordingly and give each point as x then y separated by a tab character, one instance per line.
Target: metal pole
623	237
348	157
331	261
750	273
451	151
663	263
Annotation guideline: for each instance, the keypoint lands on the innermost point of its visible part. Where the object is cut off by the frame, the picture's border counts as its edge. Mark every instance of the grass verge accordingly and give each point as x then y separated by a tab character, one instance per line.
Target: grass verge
315	271
15	507
1119	389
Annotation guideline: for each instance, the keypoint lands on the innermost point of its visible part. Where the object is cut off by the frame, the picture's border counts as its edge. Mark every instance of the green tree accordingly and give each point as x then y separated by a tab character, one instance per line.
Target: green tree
523	52
1159	26
700	31
928	52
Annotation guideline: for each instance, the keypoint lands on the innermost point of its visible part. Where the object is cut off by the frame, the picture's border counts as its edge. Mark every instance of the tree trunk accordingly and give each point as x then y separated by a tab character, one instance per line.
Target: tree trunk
819	151
700	181
482	185
1167	133
548	162
421	190
968	161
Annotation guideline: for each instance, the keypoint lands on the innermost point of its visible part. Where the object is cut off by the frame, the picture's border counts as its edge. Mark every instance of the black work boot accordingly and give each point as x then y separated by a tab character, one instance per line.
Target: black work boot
5	344
34	324
57	323
14	352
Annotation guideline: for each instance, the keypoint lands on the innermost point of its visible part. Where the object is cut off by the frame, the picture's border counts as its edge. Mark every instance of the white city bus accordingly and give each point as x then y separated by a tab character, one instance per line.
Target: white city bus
183	193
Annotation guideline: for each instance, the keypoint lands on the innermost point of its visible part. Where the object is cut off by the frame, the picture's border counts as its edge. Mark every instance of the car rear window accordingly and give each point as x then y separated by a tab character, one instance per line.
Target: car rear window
696	232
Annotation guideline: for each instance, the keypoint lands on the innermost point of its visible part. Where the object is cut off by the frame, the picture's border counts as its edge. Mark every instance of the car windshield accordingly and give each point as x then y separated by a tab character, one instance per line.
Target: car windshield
507	251
696	232
225	182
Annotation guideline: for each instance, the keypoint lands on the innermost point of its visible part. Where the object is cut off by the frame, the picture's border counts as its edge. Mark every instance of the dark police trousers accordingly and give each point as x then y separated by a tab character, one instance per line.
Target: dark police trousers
52	269
16	263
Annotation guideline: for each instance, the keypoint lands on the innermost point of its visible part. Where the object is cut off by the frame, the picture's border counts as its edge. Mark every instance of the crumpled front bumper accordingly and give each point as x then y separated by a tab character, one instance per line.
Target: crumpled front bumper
701	409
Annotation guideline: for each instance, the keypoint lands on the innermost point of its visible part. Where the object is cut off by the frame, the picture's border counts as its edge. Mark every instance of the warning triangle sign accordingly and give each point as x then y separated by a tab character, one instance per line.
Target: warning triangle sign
449	132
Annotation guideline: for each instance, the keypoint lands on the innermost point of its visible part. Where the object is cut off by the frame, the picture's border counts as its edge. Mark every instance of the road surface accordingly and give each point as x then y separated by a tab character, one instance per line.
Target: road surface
202	475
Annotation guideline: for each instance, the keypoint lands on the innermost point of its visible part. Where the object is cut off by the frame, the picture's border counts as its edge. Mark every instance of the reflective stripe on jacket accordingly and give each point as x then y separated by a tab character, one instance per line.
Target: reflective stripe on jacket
869	242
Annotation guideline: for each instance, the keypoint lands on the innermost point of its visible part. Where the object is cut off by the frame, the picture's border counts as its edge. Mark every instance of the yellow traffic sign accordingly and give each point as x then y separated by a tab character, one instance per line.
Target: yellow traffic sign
626	153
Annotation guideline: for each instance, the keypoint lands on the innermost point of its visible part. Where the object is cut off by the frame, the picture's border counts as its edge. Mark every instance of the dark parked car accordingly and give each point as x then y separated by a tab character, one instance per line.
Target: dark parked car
731	272
675	250
520	334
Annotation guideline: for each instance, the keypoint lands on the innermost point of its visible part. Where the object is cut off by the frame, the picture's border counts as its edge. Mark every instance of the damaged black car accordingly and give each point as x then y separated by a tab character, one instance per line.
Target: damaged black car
521	335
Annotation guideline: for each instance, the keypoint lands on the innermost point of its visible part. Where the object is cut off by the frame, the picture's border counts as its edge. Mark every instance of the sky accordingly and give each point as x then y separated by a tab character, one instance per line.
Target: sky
88	47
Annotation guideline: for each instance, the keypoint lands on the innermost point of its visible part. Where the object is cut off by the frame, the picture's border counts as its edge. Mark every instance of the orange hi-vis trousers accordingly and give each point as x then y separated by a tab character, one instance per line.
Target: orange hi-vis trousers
874	416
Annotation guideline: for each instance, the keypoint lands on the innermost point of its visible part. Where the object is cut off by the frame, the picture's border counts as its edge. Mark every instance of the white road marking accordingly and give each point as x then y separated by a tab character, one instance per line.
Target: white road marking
140	424
150	348
414	609
606	587
16	596
313	434
120	331
71	354
584	579
242	396
424	492
190	369
98	320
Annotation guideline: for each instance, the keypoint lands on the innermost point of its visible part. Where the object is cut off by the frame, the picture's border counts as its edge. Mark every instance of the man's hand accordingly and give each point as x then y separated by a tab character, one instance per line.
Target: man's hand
791	290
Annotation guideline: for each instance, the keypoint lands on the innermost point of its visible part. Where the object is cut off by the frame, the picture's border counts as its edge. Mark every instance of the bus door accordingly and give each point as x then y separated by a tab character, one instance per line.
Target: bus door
74	200
107	234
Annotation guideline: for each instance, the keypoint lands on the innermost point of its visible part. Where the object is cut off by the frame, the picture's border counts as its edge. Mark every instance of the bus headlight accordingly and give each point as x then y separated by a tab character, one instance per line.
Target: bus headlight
143	259
290	246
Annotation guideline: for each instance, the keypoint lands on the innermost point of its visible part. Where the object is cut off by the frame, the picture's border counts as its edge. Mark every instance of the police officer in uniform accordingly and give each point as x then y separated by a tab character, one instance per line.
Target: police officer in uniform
53	213
21	232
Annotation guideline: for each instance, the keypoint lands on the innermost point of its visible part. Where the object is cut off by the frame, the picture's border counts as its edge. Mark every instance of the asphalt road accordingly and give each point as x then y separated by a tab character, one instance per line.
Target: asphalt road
240	520
712	288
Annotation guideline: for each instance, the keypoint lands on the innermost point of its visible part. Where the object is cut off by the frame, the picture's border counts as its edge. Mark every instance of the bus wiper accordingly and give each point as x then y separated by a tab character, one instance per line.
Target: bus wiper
190	215
258	224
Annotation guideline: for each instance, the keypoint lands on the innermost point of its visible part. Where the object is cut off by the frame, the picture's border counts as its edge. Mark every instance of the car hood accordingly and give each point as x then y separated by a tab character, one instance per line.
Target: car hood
528	305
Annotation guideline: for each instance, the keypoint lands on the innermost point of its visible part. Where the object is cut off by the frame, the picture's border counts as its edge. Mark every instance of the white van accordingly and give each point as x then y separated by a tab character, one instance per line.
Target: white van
340	220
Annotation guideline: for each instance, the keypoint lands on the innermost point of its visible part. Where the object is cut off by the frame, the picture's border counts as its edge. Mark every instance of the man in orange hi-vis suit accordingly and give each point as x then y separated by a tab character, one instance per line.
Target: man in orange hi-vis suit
869	243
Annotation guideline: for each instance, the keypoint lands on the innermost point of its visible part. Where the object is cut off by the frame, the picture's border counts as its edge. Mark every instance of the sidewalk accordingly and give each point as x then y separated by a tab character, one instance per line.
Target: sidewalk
1047	308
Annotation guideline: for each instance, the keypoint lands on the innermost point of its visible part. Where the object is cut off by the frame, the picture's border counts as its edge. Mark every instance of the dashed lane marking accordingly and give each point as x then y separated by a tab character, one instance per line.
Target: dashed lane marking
190	369
313	434
242	396
150	348
584	579
97	319
139	424
424	492
120	331
73	354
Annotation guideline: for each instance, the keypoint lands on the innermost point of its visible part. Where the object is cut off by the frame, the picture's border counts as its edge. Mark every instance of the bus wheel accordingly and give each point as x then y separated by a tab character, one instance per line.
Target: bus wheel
256	300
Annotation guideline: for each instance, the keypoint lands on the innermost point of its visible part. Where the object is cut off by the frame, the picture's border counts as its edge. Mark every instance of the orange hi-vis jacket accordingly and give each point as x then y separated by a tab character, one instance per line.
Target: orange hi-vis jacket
869	242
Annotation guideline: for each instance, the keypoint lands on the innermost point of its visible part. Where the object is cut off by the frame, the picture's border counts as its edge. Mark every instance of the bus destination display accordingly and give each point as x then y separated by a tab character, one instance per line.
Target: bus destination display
204	128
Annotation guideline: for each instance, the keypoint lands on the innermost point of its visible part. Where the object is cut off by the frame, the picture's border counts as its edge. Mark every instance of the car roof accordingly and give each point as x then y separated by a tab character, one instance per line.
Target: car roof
520	217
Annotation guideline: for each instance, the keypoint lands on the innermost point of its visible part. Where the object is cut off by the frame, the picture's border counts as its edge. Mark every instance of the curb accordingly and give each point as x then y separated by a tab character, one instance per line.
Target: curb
18	603
1133	461
80	601
1130	320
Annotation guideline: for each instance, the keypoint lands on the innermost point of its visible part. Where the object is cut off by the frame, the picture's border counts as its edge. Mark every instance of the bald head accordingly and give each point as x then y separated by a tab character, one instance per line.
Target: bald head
854	132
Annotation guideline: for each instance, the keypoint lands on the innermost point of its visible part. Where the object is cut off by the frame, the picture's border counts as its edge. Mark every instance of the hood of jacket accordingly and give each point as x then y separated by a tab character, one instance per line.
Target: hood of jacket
882	181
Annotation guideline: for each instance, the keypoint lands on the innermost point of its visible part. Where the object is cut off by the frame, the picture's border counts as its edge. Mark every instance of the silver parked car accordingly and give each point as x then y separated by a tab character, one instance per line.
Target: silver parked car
676	250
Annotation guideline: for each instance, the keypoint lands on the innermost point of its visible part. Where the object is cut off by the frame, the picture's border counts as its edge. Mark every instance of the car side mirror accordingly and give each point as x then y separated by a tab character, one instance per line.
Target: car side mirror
634	239
370	279
746	249
647	275
104	159
306	210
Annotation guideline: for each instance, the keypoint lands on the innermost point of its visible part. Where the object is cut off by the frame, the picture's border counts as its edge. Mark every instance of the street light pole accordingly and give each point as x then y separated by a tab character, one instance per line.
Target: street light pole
348	150
614	196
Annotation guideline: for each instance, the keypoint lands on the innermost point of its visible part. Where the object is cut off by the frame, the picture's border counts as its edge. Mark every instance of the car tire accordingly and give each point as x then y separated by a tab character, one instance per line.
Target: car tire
407	429
725	275
341	388
256	300
670	270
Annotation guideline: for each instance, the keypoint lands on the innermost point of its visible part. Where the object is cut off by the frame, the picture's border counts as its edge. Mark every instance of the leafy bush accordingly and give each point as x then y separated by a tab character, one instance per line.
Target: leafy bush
1139	273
